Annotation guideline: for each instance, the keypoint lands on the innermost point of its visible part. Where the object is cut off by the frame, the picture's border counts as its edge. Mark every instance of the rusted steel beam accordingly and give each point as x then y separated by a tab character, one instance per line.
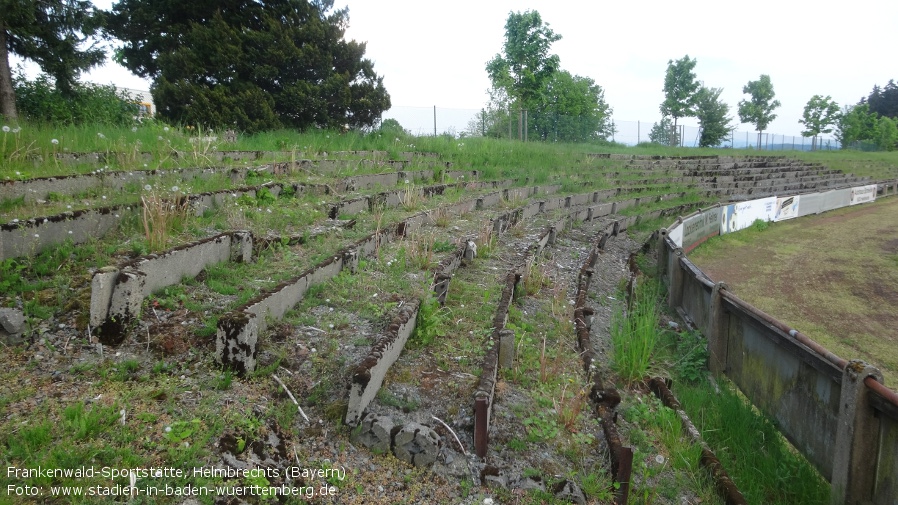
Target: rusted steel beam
880	389
621	457
722	481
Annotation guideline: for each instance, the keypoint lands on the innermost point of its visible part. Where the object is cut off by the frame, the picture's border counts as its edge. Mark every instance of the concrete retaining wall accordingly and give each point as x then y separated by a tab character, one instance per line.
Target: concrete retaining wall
369	374
835	412
30	237
118	292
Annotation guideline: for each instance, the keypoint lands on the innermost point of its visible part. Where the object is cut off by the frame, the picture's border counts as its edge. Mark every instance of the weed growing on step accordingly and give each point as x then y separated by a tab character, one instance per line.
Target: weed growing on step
635	334
164	213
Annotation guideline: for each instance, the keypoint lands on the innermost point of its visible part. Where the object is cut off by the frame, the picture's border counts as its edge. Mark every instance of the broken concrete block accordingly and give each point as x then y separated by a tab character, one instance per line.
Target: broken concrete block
102	286
569	491
12	325
242	247
235	343
374	433
528	483
416	444
506	348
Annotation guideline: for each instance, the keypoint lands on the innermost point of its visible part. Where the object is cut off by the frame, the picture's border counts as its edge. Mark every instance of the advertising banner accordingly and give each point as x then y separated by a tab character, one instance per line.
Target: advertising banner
812	203
676	234
700	228
786	207
836	199
863	194
739	216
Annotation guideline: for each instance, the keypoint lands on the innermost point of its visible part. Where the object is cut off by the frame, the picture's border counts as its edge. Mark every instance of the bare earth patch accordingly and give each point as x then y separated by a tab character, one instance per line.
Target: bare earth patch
833	276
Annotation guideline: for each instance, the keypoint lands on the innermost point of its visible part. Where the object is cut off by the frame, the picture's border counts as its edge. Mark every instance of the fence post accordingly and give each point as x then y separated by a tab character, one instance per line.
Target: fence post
718	331
857	438
663	252
675	269
434	120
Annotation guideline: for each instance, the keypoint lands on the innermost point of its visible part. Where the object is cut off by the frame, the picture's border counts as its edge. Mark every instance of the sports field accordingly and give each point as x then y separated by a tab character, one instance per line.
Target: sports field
833	276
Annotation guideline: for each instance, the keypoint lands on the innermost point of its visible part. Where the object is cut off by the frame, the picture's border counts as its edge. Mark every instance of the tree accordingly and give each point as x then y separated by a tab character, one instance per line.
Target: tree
256	64
884	101
886	134
820	114
680	88
50	33
525	67
573	109
856	126
712	117
758	110
663	133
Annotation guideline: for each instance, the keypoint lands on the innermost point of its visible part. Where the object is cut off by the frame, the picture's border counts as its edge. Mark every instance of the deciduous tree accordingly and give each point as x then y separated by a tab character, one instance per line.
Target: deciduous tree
573	110
856	125
886	134
758	109
680	88
256	64
663	133
525	66
820	115
55	34
712	116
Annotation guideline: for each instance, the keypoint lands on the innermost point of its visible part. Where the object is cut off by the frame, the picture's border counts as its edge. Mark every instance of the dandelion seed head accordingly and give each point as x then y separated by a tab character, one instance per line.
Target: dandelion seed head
5	129
147	187
54	142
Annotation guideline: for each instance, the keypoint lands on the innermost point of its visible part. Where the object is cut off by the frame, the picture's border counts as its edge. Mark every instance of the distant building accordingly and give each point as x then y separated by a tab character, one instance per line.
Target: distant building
144	101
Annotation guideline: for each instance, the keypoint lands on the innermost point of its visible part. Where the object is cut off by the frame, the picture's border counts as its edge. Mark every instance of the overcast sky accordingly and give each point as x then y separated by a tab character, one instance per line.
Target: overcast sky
434	53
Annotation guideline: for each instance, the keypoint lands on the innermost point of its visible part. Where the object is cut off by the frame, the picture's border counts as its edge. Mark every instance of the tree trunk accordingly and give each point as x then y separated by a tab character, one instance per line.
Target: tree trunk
7	94
759	140
674	140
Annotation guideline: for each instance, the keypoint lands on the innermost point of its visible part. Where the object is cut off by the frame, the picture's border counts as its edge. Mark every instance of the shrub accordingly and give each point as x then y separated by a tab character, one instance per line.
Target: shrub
39	101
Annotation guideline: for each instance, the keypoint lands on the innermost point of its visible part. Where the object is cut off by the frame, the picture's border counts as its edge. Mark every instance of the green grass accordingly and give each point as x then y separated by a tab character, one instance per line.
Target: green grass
161	425
774	473
635	333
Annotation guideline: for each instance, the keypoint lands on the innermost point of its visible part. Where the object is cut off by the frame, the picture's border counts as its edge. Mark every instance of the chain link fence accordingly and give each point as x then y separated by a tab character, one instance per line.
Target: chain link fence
516	124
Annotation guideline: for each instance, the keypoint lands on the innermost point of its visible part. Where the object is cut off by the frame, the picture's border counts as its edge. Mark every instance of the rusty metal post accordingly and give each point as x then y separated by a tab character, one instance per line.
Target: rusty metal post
718	331
481	425
857	437
675	288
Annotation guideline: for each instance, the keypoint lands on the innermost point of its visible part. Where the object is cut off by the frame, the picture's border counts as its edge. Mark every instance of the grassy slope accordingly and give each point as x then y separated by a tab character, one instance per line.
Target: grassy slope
156	395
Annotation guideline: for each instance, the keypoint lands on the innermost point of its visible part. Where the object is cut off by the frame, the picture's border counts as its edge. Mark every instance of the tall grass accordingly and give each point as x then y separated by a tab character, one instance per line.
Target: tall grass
635	334
163	215
763	465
